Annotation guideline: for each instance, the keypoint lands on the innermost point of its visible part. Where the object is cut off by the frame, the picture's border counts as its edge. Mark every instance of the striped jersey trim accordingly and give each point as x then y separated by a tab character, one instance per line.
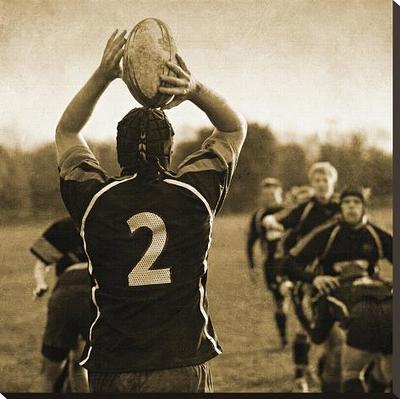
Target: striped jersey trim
307	238
46	251
96	287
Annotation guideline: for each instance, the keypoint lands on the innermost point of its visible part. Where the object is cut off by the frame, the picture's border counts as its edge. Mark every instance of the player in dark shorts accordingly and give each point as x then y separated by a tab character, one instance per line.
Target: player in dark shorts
297	223
363	306
271	202
147	234
322	255
68	313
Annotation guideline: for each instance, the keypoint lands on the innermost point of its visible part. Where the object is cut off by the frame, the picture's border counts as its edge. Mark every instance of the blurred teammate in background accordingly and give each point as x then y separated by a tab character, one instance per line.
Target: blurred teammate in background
322	255
68	307
298	222
147	234
270	203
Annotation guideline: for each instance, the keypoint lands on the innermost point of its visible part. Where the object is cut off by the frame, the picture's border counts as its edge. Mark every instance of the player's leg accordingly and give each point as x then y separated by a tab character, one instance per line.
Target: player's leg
49	373
61	333
353	362
300	348
80	314
331	370
54	355
377	375
279	312
77	374
381	375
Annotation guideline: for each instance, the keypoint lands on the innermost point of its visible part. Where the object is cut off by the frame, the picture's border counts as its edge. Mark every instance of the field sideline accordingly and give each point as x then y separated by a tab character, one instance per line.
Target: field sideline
241	313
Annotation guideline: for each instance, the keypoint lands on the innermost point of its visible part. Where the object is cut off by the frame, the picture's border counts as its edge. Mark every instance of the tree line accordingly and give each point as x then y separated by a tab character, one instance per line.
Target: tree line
29	182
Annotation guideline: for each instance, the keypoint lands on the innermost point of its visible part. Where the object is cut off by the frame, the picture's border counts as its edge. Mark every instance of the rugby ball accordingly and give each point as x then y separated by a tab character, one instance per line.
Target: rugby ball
149	46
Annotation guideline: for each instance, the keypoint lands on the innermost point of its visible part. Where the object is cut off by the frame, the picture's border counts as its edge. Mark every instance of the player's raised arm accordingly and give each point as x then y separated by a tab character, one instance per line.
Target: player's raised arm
185	87
80	108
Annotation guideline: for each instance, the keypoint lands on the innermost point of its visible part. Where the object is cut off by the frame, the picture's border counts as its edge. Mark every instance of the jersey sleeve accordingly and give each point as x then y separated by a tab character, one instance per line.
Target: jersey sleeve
81	177
306	251
290	219
210	170
49	246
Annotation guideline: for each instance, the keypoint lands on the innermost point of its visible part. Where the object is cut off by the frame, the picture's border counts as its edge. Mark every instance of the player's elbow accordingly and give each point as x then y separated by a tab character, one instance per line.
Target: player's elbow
241	124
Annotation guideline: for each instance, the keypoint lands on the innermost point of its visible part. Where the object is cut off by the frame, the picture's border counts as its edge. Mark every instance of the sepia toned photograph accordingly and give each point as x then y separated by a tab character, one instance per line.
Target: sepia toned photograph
196	196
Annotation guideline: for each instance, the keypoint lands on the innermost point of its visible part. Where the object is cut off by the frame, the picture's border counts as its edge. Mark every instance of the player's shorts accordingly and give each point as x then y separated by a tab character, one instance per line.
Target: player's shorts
68	314
191	379
370	326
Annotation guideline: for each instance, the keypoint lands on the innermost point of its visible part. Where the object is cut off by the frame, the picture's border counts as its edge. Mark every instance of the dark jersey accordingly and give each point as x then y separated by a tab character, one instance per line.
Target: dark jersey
333	246
342	305
147	242
61	245
304	218
257	231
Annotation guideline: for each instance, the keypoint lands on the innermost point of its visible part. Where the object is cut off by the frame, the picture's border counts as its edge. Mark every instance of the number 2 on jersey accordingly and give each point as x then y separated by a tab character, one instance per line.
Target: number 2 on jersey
141	273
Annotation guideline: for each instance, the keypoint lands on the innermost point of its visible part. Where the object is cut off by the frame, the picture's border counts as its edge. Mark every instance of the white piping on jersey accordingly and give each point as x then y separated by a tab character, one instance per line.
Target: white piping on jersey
82	232
330	242
94	289
201	288
194	191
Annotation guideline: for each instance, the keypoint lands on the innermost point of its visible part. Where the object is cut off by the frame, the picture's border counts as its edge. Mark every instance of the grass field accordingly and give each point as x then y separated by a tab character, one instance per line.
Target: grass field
242	313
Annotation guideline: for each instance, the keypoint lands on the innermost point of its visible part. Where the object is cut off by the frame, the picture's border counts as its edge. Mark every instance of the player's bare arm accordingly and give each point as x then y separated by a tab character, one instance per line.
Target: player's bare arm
186	87
81	107
39	273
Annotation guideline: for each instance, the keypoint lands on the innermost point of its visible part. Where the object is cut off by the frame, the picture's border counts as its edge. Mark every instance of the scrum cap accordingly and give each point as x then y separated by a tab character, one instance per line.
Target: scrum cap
353	191
143	134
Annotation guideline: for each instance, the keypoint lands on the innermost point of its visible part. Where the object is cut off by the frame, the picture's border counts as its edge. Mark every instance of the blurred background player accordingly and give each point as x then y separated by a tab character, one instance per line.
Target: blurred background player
297	223
147	233
270	203
322	255
68	307
301	194
362	304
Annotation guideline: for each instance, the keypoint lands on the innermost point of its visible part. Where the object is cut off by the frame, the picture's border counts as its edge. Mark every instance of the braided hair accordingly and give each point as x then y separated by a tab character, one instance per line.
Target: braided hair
144	139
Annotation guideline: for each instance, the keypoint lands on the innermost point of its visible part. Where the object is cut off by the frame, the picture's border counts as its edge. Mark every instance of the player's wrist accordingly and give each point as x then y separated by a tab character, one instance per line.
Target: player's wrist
197	92
102	76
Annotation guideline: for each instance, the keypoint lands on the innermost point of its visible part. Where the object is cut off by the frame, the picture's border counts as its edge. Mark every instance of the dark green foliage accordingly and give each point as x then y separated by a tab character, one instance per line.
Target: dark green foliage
29	183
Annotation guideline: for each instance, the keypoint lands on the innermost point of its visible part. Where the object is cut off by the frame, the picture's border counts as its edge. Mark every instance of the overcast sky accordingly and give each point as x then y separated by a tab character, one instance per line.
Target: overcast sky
302	66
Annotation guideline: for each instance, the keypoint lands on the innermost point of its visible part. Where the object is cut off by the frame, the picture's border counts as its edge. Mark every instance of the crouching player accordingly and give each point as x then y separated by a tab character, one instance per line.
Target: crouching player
271	203
321	256
363	306
68	307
